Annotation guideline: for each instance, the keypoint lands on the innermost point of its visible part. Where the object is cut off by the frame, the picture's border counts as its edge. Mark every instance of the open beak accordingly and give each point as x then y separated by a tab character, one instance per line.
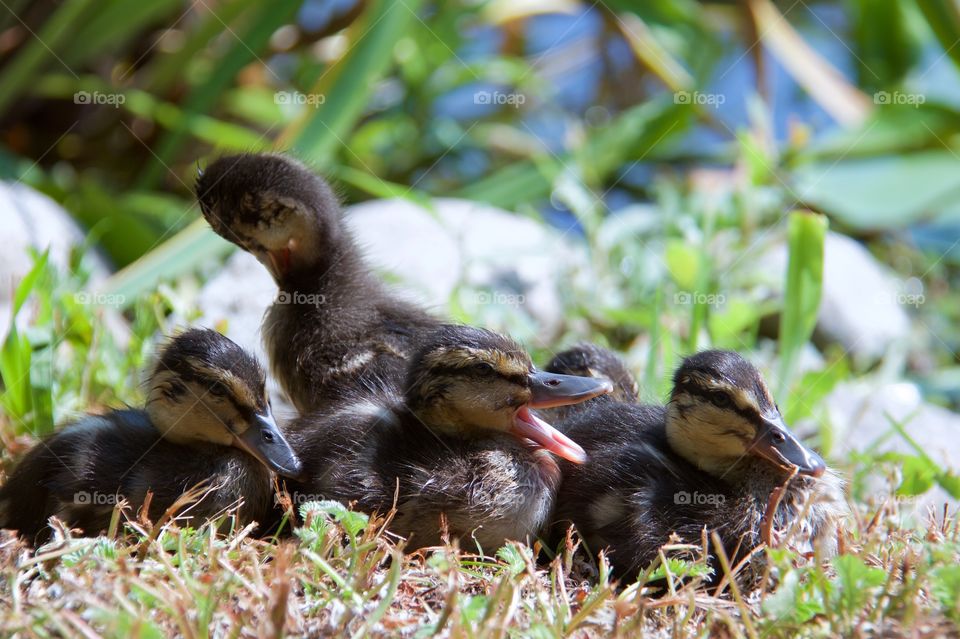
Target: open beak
264	441
776	443
526	425
551	390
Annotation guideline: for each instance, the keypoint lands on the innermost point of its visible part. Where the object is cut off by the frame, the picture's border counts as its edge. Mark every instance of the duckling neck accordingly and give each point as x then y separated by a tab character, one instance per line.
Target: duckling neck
332	269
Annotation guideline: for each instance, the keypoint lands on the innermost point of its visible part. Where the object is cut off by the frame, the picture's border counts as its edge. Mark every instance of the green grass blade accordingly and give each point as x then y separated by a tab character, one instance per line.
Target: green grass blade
114	26
347	84
244	49
180	254
943	16
804	286
40	51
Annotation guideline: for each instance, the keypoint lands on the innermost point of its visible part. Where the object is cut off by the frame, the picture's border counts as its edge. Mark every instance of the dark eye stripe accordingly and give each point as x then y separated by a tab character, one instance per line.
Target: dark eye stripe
749	414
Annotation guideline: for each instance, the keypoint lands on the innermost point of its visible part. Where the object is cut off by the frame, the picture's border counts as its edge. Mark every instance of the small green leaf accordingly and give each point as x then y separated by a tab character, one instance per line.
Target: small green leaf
512	556
855	580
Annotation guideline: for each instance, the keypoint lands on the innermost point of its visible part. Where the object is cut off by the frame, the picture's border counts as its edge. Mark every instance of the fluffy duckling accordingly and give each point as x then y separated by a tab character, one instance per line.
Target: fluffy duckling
207	419
462	444
719	456
334	328
589	360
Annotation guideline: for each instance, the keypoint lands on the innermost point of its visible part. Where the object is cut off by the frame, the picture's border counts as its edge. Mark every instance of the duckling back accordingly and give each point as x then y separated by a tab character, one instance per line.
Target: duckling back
377	457
82	472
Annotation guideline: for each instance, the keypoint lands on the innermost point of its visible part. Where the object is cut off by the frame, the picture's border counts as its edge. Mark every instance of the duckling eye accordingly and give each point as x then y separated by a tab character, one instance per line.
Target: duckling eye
483	367
720	399
218	390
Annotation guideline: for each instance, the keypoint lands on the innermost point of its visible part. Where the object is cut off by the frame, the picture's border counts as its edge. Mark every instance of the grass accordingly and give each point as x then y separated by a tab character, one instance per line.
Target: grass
345	575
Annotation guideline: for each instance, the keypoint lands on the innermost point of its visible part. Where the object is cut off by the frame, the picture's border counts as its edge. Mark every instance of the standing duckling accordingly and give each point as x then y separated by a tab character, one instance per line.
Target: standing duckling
207	419
334	327
715	457
462	444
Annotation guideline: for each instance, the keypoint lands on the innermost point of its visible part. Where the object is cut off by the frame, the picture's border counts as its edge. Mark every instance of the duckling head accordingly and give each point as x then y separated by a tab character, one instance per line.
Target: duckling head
471	382
206	389
271	206
722	412
590	360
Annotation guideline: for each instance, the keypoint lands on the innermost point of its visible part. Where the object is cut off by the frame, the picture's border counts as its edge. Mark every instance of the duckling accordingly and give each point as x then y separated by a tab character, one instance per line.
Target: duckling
713	458
589	360
334	327
461	444
207	419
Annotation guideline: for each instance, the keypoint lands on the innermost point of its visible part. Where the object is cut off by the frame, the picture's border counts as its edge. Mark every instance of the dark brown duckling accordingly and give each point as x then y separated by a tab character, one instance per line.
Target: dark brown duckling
334	327
207	419
461	444
712	458
590	360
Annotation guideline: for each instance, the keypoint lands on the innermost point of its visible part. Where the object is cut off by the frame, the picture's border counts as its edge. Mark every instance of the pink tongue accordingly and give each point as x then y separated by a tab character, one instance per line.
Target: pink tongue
528	425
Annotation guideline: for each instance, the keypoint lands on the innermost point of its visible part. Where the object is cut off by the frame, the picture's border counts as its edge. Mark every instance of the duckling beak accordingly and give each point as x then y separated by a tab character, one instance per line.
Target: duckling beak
278	262
264	441
526	425
550	389
776	443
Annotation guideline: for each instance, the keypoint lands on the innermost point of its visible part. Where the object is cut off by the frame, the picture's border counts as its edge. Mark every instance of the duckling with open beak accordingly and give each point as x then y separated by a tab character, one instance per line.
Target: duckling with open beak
463	445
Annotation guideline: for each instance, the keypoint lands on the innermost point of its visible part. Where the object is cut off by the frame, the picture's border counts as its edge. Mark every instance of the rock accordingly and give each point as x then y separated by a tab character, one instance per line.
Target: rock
506	264
861	411
31	220
863	303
